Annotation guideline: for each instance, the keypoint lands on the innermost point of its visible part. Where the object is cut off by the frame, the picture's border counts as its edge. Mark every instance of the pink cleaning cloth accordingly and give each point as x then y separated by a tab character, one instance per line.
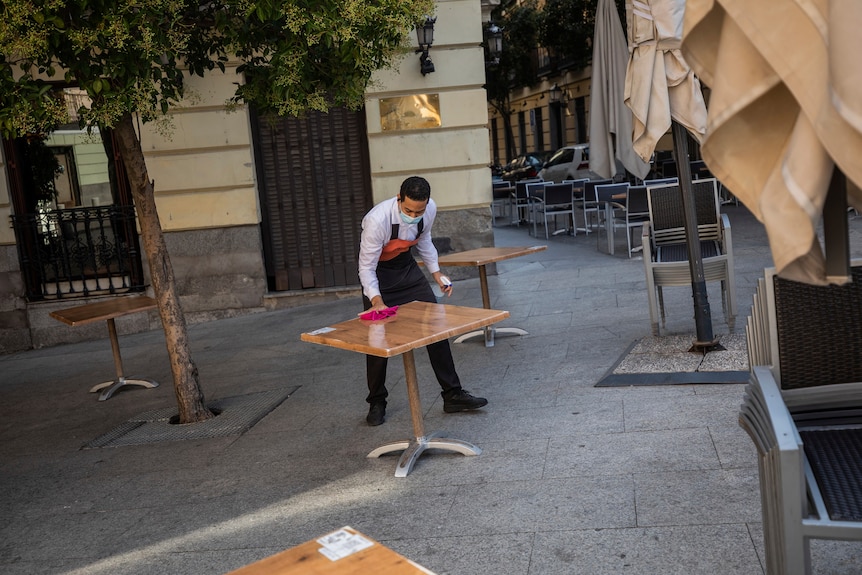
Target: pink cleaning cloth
375	315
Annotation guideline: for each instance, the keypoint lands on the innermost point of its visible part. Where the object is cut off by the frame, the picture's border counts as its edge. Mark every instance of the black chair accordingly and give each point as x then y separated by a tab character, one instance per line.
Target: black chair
555	200
666	258
501	198
535	191
577	200
635	214
520	201
611	199
590	205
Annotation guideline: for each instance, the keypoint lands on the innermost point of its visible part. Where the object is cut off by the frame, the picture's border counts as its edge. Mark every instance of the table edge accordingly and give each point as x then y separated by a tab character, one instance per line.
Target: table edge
401	349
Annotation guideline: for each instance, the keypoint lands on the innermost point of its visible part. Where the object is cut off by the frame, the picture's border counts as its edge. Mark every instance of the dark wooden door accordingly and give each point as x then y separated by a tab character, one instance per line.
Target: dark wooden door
315	187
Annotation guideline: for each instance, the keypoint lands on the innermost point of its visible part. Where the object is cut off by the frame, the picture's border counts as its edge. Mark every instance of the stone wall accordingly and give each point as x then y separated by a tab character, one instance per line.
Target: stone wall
462	230
14	330
219	272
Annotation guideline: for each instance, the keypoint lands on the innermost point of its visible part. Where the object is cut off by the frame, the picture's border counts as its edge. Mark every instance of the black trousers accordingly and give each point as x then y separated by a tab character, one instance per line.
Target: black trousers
401	281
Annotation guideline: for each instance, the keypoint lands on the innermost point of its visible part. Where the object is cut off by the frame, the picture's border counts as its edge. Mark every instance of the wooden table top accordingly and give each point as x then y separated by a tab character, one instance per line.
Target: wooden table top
416	324
483	256
307	558
103	310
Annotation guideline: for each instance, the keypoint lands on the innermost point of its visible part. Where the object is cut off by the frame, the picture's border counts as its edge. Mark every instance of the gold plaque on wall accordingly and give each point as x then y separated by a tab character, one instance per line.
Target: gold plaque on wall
415	112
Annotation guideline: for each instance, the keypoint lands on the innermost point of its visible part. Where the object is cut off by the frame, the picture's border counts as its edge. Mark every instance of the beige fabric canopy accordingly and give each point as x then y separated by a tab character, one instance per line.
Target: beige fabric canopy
660	86
785	108
610	118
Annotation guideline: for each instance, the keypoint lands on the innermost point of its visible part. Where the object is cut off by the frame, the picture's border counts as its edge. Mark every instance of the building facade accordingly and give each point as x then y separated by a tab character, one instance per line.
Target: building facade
258	213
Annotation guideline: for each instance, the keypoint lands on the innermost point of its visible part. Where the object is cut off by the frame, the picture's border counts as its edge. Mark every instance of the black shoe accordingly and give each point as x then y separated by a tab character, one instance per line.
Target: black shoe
376	414
460	400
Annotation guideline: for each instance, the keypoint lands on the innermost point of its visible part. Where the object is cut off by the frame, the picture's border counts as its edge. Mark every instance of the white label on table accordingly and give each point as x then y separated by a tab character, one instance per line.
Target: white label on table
339	544
322	330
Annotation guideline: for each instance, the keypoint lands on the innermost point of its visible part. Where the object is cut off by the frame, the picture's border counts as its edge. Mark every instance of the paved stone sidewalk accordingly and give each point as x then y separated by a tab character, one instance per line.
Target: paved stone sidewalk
573	478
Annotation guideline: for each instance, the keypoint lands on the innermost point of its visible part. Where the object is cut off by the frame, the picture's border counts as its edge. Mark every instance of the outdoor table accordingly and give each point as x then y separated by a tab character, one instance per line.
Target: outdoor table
108	310
342	552
416	324
481	257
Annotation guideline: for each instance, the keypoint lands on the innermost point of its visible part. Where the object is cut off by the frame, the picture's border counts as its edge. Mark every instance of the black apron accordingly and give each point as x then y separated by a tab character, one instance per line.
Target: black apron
400	280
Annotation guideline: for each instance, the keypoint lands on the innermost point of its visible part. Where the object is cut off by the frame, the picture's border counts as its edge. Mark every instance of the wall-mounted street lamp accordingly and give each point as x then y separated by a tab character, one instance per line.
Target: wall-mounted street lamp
425	36
554	94
494	42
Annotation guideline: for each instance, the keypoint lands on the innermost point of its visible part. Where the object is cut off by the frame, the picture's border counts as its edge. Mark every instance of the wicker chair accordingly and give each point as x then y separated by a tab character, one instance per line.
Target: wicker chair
803	411
666	250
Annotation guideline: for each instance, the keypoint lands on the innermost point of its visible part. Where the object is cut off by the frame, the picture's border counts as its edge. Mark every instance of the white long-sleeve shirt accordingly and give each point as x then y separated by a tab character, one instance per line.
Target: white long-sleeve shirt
376	233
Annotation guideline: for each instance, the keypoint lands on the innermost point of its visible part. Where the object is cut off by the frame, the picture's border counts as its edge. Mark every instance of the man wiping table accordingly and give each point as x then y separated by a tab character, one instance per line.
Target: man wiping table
391	277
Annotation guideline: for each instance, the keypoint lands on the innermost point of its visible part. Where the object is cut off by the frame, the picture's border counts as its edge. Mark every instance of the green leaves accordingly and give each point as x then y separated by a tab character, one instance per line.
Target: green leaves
567	28
132	56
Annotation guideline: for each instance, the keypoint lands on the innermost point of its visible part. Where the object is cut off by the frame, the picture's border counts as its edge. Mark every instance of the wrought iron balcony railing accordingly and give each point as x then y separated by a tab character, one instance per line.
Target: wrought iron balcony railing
79	252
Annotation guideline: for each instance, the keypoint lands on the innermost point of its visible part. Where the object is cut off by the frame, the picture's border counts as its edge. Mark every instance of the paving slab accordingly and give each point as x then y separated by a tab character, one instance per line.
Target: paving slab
572	478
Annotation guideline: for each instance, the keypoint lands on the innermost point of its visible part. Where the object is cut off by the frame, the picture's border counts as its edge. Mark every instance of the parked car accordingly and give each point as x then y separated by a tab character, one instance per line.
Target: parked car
525	166
568	163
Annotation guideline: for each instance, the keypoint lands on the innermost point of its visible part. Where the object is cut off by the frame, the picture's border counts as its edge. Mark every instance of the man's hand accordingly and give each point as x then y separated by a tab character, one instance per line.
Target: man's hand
376	304
444	283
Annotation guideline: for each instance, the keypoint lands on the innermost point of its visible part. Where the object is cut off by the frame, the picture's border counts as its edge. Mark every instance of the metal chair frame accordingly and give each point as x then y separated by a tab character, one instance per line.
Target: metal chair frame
556	199
635	215
803	411
610	207
521	200
665	250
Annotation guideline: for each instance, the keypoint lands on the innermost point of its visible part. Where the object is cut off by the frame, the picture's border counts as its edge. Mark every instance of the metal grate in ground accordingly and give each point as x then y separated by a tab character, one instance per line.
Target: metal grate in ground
237	415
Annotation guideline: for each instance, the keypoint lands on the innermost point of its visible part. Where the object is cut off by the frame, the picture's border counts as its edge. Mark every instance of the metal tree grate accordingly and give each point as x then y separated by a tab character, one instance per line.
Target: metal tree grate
237	415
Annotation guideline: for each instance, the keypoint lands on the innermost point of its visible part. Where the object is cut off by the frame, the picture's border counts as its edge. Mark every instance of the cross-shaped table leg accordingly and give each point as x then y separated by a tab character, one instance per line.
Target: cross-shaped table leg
414	447
111	386
489	331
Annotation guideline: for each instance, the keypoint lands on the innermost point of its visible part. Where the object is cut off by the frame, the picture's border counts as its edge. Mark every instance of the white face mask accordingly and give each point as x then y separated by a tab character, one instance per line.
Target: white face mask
407	219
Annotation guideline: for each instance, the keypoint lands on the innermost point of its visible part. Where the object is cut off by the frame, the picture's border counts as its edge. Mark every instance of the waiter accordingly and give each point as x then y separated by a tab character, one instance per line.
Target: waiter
390	276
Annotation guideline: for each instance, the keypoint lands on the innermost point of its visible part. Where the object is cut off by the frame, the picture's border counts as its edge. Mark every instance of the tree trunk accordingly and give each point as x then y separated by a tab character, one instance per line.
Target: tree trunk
503	107
190	397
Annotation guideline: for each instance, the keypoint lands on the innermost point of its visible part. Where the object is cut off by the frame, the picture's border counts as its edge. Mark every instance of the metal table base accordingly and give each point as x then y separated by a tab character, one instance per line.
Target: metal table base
490	333
113	385
415	446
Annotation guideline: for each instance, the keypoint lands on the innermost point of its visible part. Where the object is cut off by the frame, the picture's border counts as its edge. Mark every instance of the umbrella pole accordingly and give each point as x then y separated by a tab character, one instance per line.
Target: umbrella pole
702	316
836	238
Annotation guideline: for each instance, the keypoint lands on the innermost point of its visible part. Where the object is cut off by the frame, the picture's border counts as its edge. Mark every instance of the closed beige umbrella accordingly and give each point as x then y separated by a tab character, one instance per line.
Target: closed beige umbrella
610	118
663	92
785	109
660	86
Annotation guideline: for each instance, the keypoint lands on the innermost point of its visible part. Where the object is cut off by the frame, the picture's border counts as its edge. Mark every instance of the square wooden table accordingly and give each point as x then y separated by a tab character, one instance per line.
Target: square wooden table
416	324
481	257
342	552
107	310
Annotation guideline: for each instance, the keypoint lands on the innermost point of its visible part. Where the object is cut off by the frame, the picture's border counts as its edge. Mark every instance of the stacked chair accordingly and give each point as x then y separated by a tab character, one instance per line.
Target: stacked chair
666	258
803	410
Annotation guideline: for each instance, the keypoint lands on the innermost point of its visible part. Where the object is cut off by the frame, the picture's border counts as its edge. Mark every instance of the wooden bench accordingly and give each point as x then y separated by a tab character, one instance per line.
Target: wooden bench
803	410
107	310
